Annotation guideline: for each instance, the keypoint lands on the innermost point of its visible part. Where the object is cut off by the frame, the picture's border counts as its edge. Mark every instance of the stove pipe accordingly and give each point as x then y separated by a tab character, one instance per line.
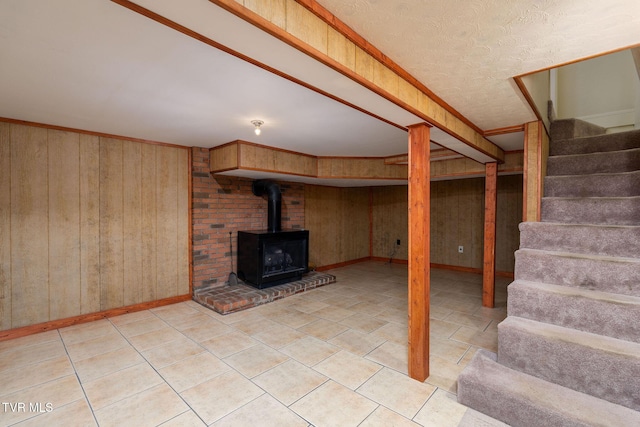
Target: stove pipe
274	212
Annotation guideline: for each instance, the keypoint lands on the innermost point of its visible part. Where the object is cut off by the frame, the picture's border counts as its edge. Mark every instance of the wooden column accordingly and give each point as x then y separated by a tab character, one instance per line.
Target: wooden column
419	259
489	264
536	151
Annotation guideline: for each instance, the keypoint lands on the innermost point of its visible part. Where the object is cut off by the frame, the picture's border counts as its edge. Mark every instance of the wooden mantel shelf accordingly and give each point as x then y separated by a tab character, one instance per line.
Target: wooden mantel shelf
242	155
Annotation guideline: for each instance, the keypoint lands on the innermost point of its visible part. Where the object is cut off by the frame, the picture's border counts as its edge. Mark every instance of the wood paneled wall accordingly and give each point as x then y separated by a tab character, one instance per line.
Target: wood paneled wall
338	224
88	223
457	209
390	208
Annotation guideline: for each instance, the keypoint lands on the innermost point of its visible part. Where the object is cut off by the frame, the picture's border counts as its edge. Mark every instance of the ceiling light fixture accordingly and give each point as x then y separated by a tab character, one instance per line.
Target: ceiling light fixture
257	124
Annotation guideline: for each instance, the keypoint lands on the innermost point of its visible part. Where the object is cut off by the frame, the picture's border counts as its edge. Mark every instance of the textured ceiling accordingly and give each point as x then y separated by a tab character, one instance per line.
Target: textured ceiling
467	51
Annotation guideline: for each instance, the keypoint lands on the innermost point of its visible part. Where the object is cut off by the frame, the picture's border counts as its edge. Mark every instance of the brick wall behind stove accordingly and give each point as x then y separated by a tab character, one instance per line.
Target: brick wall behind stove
222	204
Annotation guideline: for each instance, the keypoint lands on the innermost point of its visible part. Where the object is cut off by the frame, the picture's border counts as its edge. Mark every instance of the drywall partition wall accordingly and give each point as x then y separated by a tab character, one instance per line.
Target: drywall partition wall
88	223
338	222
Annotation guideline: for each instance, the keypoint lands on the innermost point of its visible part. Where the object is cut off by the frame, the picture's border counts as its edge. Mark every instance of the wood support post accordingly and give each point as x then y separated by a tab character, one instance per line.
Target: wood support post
489	263
419	255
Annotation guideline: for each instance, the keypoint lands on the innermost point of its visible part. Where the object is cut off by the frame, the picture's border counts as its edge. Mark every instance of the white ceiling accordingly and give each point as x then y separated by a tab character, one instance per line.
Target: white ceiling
95	65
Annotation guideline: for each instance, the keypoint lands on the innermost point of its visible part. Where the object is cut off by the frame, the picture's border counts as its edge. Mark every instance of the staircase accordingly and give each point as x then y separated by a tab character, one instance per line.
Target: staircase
569	350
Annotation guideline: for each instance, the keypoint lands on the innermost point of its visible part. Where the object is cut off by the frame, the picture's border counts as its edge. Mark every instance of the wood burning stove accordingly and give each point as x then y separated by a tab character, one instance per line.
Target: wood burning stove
272	256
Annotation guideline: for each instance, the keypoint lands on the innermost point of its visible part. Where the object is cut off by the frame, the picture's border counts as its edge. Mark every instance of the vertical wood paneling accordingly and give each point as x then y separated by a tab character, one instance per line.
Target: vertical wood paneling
29	225
182	222
509	214
79	224
338	224
132	222
111	224
64	224
166	213
89	203
149	239
390	221
5	226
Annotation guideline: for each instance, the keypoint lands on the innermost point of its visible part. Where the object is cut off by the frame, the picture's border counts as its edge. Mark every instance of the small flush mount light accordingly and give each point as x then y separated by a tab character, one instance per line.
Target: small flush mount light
257	124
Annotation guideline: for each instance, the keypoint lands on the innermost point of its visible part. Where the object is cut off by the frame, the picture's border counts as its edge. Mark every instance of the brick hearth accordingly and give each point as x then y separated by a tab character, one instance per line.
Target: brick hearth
229	299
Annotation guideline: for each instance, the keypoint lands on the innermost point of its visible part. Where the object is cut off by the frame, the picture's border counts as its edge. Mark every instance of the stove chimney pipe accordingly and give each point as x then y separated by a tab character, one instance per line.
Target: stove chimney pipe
274	212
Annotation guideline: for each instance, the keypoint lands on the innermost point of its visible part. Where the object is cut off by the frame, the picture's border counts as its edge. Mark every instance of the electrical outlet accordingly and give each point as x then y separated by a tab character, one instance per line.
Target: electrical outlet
398	242
460	249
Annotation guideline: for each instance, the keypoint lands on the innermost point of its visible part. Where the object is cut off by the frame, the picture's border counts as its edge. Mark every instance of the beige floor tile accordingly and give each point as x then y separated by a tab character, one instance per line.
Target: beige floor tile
395	315
289	381
130	317
443	373
122	384
323	329
335	314
469	320
141	326
20	357
219	396
334	405
78	412
340	301
264	411
368	308
391	355
86	331
356	342
442	410
363	323
20	378
394	332
438	312
442	329
186	419
188	320
474	418
348	369
448	349
383	417
309	350
294	319
206	330
487	339
278	336
309	306
254	326
148	408
256	360
29	340
172	352
155	338
228	344
93	347
173	311
104	364
397	392
54	394
193	370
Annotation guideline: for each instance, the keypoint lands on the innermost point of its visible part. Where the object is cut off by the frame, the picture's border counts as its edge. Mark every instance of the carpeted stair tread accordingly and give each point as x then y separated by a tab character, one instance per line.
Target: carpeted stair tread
607	240
591	272
601	366
521	400
602	313
591	210
583	164
624	184
573	128
598	143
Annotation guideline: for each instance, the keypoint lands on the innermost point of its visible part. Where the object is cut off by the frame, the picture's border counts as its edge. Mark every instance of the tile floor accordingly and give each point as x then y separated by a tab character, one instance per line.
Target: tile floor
334	356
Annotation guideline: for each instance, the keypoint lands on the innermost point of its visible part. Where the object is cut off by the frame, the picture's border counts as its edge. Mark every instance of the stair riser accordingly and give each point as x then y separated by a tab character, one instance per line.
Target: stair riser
574	361
573	128
606	211
609	185
620	277
582	239
593	144
521	400
585	164
571	309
